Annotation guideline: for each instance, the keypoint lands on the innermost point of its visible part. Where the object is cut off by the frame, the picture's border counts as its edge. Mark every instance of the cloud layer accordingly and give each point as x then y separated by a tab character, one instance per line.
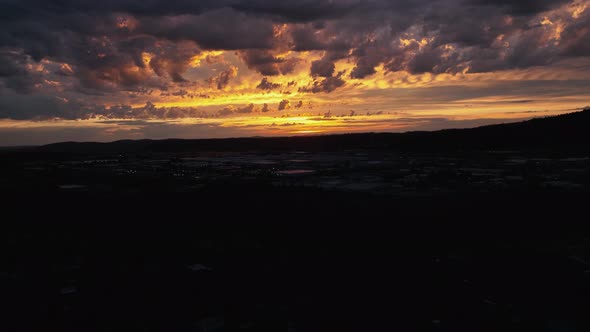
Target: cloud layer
156	59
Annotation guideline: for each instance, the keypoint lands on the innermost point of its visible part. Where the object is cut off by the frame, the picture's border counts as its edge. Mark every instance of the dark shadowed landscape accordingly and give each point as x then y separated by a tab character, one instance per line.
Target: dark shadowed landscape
480	229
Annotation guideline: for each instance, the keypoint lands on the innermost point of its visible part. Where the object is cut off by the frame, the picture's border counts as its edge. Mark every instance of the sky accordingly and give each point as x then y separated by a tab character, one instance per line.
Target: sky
77	70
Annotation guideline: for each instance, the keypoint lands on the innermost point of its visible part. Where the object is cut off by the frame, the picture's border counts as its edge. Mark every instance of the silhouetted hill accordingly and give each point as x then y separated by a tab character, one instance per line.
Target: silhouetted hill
566	133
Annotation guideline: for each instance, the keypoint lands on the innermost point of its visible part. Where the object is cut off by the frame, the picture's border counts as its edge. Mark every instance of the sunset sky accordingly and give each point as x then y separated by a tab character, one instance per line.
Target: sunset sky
77	70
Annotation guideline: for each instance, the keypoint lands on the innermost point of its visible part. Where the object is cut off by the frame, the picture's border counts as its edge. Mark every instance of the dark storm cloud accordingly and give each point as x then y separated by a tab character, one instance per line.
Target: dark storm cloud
293	10
71	30
14	73
305	38
576	37
221	29
266	63
300	10
322	68
12	64
21	107
100	47
105	47
142	7
520	7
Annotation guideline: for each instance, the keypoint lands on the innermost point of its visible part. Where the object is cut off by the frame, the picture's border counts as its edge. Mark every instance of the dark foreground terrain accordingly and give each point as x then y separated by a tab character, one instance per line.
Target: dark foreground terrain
443	231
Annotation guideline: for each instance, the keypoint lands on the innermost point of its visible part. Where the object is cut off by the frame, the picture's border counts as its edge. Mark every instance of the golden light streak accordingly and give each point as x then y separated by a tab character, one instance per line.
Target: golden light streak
35	67
52	83
284	124
243	91
577	9
146	57
405	42
196	60
67	69
242	98
546	21
558	30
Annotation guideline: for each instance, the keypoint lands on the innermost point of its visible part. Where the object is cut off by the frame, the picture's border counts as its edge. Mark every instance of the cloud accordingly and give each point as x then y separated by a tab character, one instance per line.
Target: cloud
284	104
322	68
265	108
247	109
520	7
39	107
327	84
107	40
299	10
265	84
15	73
227	111
110	52
222	79
266	63
23	107
306	37
219	29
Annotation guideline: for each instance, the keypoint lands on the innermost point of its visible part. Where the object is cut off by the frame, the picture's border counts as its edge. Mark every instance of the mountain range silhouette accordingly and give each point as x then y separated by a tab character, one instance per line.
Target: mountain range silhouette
564	133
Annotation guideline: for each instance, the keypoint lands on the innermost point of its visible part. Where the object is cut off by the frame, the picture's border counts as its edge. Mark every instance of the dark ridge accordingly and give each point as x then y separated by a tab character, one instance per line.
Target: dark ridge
566	133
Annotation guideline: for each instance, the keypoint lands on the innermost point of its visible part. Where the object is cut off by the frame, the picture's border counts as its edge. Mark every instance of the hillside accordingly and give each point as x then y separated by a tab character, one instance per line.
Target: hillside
566	133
